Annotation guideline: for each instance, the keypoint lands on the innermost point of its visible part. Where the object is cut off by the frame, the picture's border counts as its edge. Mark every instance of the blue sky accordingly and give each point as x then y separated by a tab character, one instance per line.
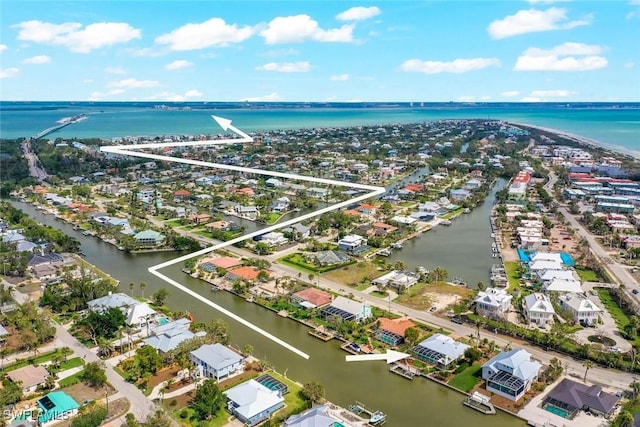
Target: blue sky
471	51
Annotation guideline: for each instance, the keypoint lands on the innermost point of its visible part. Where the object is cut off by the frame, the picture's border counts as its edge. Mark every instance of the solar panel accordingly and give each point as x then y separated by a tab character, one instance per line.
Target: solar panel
47	403
273	384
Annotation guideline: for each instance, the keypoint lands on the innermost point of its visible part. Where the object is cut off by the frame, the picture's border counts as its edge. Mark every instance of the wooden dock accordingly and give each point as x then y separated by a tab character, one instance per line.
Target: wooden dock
404	370
480	402
321	333
375	418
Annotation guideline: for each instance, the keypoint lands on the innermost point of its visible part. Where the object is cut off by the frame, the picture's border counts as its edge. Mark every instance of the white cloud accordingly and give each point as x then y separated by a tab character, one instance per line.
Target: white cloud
564	57
174	97
456	66
6	73
3	47
264	98
38	59
466	98
214	32
76	38
97	95
178	64
115	70
286	67
299	28
132	83
340	77
275	53
358	13
557	93
629	64
510	93
193	93
532	21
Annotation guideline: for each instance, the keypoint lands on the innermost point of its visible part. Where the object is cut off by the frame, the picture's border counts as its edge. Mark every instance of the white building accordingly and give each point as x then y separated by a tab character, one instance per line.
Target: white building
493	302
538	309
584	311
511	373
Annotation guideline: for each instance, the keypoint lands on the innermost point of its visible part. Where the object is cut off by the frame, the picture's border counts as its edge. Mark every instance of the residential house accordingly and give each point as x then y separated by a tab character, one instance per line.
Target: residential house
198	219
352	243
168	336
274	238
573	396
149	238
511	373
216	361
459	194
311	298
366	209
440	350
251	402
298	231
181	195
583	310
318	416
382	229
346	309
317	192
30	377
224	262
137	313
249	212
392	331
400	280
245	273
493	302
280	205
538	309
55	407
326	258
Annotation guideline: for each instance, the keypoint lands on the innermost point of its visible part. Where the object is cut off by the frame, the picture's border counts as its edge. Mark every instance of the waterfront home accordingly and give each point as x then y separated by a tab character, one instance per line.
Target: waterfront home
248	212
537	308
167	337
224	262
459	194
12	236
219	226
397	279
511	373
317	192
137	313
273	239
149	238
392	331
346	309
583	310
55	407
246	273
440	350
181	195
573	397
549	275
535	266
216	361
197	219
29	377
280	205
318	416
352	243
493	302
298	231
251	402
382	229
326	258
311	298
562	286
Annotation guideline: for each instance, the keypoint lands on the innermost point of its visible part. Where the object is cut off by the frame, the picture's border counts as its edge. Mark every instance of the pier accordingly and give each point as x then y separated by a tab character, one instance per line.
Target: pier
375	418
480	402
321	333
405	370
64	123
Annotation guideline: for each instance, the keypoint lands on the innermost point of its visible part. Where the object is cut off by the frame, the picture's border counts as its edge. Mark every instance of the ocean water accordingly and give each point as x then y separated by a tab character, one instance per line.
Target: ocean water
616	127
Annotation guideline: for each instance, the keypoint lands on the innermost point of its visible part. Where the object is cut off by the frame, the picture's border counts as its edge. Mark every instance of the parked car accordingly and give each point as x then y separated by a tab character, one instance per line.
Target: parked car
635	291
457	320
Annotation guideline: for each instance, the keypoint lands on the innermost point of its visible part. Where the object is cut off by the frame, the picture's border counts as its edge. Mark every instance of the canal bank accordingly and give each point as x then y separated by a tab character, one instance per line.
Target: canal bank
406	403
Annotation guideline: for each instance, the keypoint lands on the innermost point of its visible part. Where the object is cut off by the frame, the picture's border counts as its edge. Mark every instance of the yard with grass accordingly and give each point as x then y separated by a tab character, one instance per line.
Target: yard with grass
467	379
613	308
513	276
46	357
416	297
587	275
355	273
71	380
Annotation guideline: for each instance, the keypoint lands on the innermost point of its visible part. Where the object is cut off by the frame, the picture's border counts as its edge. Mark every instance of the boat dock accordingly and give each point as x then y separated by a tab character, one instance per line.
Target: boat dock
480	402
321	333
375	418
405	370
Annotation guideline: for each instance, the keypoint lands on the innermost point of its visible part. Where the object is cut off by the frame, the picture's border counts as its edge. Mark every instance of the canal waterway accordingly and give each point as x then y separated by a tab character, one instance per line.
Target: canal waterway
463	248
420	402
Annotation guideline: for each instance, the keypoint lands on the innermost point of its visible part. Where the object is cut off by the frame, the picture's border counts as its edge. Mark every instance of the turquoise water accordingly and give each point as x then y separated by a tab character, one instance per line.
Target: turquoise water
162	320
616	128
555	410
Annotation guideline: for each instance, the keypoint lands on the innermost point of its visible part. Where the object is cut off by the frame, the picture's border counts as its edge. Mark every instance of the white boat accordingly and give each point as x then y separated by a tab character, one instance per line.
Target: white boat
397	246
445	222
384	252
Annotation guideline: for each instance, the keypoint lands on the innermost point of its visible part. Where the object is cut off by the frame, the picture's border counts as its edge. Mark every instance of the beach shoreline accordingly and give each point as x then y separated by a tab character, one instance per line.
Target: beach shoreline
592	143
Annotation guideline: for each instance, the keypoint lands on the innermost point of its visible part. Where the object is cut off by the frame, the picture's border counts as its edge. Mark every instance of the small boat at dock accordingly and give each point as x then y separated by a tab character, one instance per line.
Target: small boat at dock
397	246
445	222
480	402
376	418
384	252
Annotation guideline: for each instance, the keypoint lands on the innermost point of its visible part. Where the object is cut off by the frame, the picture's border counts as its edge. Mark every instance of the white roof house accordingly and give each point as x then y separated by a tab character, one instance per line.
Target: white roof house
545	265
560	285
139	314
252	402
117	300
168	336
546	275
511	373
347	309
584	310
493	301
440	350
538	309
547	256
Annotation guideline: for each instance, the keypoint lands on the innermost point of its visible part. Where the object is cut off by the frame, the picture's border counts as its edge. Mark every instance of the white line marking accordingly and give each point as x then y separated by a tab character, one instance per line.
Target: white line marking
128	150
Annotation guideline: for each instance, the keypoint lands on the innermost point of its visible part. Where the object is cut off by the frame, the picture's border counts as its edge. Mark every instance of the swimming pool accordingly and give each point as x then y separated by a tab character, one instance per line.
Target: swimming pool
555	410
567	259
162	320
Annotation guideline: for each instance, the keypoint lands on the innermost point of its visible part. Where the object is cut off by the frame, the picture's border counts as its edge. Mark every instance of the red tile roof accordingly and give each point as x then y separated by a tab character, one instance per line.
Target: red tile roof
244	273
314	296
182	193
397	326
225	262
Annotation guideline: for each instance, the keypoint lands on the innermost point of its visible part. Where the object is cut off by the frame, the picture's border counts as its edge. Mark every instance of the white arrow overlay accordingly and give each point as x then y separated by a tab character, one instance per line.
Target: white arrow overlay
130	150
390	356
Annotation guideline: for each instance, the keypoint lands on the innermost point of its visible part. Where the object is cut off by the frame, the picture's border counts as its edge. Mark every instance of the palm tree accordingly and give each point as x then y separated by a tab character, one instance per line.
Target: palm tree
143	286
588	364
105	347
131	286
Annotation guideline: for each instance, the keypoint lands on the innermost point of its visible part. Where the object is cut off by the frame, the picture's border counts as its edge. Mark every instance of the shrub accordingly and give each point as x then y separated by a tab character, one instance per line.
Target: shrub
173	402
184	414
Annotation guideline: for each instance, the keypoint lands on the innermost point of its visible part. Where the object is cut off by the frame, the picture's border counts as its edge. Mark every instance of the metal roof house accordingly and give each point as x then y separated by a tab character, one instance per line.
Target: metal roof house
347	310
56	406
573	397
510	374
440	350
216	361
252	402
318	416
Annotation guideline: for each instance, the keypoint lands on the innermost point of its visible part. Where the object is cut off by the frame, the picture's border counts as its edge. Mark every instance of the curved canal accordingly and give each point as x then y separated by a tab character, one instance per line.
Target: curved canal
420	402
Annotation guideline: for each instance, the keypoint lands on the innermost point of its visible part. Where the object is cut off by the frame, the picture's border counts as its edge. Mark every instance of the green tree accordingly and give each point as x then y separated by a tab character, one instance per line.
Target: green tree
104	324
94	374
472	354
624	419
148	359
411	336
143	286
313	392
588	364
208	399
10	393
94	417
160	296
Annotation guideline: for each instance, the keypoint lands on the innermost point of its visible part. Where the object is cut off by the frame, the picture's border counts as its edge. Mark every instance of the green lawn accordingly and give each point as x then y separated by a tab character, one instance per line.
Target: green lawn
587	275
613	308
511	268
69	364
73	379
271	218
467	379
37	361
